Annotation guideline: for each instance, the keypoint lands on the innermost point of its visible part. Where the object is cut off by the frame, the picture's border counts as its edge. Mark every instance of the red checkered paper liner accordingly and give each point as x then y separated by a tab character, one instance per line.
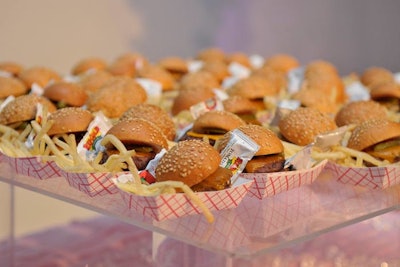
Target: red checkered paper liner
171	206
32	167
270	184
371	177
92	184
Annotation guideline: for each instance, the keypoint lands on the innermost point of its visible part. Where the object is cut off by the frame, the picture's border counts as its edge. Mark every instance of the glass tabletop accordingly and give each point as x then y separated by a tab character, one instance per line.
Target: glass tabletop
255	226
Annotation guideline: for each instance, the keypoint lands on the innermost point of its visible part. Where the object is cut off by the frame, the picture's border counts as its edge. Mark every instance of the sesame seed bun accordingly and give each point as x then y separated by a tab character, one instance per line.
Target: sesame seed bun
158	74
139	132
189	161
39	75
23	108
238	105
116	96
152	113
198	79
93	81
320	67
358	111
11	67
91	63
219	69
302	125
371	132
282	62
70	94
189	97
267	140
376	75
216	120
238	57
11	86
385	90
253	87
69	120
275	77
313	98
211	54
174	65
269	157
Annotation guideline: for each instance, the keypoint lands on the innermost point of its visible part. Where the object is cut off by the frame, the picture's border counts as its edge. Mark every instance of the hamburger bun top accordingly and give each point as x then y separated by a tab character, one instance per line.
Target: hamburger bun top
174	64
199	79
253	87
11	86
358	111
91	63
217	119
267	140
239	57
211	54
11	67
189	97
238	105
158	74
189	161
282	62
152	113
93	81
385	91
71	94
303	124
116	96
371	132
320	67
139	132
69	120
39	75
23	108
219	69
373	76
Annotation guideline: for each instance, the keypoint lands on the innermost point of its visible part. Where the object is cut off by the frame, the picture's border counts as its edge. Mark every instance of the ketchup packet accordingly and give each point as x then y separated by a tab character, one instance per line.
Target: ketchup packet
213	103
89	147
239	150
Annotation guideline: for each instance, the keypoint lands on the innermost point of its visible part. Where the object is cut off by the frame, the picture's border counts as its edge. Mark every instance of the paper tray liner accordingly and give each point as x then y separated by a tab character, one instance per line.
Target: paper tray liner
270	184
371	177
32	167
171	206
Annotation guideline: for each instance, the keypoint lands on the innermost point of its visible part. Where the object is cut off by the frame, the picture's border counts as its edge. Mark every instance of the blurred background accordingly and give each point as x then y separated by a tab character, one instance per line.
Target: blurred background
353	35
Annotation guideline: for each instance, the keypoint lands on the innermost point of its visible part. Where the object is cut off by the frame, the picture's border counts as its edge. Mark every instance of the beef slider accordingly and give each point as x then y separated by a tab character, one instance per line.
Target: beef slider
141	135
270	156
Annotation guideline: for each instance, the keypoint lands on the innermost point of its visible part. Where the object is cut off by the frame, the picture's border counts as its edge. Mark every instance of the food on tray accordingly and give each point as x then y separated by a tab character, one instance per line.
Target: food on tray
70	120
195	163
242	107
302	125
152	113
86	64
23	109
10	86
270	155
378	137
11	67
213	125
40	75
139	135
358	111
66	94
254	88
116	96
388	94
374	76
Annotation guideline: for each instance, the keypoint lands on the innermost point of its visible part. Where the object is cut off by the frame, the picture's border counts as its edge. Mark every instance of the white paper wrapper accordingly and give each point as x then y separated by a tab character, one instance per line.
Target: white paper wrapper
171	206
